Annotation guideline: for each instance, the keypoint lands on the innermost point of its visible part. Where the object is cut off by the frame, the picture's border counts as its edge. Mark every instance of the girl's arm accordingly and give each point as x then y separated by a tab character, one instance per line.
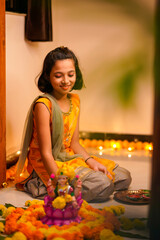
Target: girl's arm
78	149
42	120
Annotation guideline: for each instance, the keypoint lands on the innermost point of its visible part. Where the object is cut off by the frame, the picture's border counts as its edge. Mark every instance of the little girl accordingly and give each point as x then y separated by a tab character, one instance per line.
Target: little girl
52	135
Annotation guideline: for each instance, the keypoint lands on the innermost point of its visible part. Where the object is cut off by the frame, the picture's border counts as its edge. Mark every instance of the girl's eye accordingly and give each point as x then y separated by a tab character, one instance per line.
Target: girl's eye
71	75
57	76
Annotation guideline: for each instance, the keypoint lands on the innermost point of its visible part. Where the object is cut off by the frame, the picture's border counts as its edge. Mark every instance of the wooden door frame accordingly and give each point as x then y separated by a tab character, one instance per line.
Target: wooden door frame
2	96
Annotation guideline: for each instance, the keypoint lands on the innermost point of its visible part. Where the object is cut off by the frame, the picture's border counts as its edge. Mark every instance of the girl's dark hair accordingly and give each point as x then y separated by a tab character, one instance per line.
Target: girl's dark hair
59	53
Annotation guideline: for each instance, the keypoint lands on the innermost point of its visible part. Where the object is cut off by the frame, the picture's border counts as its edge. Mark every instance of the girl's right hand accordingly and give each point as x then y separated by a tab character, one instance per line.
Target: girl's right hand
96	166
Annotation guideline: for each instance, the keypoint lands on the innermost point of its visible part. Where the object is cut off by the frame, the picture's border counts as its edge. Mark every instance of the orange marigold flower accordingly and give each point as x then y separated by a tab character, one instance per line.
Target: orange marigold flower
10	226
85	230
22	227
37	235
96	232
108	225
53	235
110	217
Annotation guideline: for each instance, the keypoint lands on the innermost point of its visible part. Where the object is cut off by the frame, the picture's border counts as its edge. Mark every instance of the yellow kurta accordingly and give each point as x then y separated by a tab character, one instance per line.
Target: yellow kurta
70	122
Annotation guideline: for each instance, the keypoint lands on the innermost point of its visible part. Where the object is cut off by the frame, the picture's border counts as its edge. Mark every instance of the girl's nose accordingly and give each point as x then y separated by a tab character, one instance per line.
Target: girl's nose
65	79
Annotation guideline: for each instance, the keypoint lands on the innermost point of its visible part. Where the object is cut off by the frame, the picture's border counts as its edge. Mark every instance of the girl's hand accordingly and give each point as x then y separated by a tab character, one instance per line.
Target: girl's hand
96	166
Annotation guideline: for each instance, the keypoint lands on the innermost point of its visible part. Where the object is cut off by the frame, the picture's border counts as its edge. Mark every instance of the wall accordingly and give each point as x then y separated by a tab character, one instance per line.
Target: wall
108	40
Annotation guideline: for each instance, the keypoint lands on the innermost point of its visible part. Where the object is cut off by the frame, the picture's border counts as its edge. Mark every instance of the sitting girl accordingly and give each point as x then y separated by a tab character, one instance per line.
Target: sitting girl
52	135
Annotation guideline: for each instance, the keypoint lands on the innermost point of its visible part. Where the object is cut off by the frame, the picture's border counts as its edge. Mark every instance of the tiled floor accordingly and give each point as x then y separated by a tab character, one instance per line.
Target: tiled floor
137	162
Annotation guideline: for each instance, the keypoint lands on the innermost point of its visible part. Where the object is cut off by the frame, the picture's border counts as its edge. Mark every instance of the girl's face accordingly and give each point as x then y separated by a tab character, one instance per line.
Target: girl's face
62	180
63	77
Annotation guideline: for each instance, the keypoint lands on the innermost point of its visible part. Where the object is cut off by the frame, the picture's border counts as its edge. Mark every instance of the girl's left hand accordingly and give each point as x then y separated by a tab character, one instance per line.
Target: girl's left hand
96	166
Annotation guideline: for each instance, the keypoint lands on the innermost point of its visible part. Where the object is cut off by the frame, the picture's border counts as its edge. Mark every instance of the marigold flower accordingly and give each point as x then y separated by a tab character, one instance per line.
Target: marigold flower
109	235
138	224
39	212
84	204
43	231
1	227
117	210
8	211
126	223
68	198
94	221
28	203
2	209
59	238
67	171
19	236
59	203
108	209
37	235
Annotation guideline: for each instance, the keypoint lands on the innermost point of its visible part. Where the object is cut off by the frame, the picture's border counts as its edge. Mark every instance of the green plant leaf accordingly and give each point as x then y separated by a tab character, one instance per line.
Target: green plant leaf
7	205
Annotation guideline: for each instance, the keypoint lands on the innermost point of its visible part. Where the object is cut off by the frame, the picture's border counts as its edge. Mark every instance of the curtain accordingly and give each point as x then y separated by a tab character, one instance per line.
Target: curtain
38	22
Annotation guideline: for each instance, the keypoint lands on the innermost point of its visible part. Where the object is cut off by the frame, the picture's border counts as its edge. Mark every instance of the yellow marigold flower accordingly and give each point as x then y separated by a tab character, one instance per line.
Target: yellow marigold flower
108	209
50	231
28	203
39	209
37	202
91	224
67	171
7	211
4	214
68	198
43	231
8	238
10	210
85	203
116	210
138	224
59	203
40	202
109	235
31	227
1	227
21	220
59	238
126	223
73	229
19	236
122	208
106	234
2	209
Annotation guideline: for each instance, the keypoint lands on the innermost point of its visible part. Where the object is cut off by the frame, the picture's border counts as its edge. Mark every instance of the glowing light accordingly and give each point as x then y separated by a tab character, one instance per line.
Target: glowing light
114	146
129	155
21	174
100	148
100	153
130	149
18	152
149	147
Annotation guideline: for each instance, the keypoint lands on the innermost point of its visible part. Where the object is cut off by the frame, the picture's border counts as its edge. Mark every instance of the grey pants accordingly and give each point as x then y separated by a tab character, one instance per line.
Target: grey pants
96	186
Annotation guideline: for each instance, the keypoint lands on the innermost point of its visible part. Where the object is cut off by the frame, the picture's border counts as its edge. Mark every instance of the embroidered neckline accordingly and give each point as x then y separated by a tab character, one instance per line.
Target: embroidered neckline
71	107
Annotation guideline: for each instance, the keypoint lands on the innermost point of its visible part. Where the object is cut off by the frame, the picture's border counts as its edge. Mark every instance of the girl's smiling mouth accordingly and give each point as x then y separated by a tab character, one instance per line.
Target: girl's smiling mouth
65	87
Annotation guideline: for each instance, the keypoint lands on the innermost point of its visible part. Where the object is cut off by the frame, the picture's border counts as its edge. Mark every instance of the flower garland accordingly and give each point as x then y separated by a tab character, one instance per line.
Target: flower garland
25	224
